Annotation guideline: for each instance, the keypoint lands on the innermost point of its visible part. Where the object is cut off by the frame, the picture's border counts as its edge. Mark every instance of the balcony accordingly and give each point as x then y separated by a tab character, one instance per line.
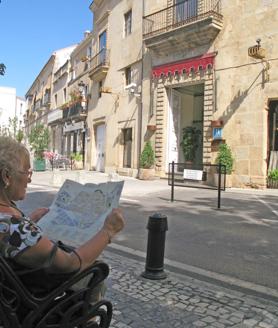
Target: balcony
99	65
54	116
189	24
75	111
46	100
37	106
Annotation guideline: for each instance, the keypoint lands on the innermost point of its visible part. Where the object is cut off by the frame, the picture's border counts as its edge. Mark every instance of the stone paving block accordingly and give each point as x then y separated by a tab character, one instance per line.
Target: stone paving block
218	325
250	322
179	303
199	324
265	325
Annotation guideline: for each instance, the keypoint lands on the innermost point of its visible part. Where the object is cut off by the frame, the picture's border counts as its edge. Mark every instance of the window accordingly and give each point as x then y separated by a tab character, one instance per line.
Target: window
86	89
102	47
128	22
127	75
65	94
99	89
127	134
72	74
55	100
185	9
89	52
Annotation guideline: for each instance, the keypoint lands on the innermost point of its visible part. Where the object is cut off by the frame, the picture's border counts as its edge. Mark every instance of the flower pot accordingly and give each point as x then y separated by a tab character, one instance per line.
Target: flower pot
217	123
39	164
77	165
146	174
228	180
273	184
151	127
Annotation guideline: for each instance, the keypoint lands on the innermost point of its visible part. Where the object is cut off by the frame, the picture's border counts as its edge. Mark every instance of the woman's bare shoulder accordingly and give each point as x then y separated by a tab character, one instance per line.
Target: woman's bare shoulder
6	211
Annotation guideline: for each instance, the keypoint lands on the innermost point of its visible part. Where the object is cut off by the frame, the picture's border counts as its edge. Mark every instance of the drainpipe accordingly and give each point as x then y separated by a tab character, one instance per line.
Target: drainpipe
140	109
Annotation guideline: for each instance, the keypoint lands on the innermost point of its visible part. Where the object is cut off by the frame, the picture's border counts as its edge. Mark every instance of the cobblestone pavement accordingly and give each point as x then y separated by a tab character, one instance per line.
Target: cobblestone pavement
179	301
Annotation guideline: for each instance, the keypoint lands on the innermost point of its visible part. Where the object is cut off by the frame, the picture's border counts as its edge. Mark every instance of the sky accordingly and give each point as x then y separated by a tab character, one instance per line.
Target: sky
31	30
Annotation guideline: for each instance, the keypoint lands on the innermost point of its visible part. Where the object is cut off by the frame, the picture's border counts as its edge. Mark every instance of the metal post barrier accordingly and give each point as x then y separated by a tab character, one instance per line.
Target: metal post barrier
172	180
157	226
219	185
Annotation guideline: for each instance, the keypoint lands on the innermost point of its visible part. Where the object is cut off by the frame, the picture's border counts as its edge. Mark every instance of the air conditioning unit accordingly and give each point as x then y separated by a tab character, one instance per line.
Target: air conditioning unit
131	87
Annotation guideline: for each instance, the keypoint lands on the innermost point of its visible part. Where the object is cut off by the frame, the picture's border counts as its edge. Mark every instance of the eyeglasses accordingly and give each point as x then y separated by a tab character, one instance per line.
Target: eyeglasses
28	173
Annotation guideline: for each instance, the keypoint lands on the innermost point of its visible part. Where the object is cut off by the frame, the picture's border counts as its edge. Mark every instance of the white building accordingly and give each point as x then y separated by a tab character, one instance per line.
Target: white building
20	110
11	106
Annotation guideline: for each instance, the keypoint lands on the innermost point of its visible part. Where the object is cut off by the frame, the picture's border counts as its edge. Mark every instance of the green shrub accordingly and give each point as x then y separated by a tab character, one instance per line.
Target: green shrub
225	157
273	175
147	157
39	138
76	157
190	142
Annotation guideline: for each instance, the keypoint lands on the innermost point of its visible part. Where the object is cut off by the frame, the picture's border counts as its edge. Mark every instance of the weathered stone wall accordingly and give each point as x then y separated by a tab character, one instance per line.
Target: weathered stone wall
117	109
242	93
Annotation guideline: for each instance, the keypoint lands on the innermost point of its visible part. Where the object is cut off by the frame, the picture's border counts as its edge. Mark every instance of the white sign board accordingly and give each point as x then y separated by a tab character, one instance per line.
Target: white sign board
74	126
193	174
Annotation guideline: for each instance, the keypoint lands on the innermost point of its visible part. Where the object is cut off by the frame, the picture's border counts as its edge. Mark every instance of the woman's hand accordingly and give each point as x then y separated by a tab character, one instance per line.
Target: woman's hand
38	214
114	222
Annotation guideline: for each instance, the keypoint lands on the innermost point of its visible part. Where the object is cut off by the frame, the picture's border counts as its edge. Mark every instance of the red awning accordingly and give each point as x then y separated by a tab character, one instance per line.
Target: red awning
185	66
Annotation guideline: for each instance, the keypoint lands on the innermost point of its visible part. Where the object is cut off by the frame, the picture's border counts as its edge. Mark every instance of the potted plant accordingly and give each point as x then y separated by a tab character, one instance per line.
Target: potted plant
190	142
39	139
225	157
147	161
77	161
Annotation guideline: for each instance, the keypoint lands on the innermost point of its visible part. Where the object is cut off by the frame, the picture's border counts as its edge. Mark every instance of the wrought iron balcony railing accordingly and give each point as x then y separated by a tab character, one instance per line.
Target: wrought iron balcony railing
75	110
100	59
180	14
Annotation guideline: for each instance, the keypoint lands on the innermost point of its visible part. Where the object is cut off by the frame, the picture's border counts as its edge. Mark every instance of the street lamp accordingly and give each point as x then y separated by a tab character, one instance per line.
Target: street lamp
81	89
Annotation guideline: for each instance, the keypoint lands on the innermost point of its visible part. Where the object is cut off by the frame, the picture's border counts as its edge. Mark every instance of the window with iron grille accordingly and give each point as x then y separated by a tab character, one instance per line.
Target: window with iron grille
127	136
127	75
99	89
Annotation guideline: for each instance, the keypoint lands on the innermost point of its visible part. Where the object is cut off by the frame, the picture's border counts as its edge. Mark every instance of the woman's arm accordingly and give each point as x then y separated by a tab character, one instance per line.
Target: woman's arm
37	255
90	251
38	214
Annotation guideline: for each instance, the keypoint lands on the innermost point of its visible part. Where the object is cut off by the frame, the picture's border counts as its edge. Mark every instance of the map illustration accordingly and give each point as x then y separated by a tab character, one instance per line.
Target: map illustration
78	211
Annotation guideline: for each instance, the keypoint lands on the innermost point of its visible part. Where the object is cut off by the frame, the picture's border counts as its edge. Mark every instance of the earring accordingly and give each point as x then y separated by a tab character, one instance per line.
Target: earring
7	185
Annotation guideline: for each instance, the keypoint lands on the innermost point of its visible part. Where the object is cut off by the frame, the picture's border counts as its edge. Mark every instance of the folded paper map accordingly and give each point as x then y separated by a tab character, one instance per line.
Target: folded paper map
78	211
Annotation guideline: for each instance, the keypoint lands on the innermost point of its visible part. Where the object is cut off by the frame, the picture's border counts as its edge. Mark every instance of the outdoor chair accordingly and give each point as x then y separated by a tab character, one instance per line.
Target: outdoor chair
60	308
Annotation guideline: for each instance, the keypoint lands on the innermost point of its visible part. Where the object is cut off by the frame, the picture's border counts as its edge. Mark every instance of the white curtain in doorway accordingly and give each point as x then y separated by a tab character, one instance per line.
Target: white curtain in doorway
100	147
173	126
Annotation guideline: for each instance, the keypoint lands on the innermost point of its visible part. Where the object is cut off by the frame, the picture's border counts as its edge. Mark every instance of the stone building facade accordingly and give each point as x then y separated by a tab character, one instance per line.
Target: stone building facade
39	96
115	110
185	65
78	97
197	51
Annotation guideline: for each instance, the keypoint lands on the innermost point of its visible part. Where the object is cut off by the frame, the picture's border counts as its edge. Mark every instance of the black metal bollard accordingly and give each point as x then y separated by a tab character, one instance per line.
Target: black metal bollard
157	227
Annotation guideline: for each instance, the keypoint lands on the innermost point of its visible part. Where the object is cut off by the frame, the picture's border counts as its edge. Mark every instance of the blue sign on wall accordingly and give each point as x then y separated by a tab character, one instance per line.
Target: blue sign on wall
217	133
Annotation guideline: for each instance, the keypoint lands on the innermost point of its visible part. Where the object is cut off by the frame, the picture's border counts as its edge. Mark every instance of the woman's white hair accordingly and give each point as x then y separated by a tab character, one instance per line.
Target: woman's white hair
11	154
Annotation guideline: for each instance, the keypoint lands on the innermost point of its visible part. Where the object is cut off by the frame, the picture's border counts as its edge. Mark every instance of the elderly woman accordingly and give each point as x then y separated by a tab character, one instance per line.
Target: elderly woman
21	239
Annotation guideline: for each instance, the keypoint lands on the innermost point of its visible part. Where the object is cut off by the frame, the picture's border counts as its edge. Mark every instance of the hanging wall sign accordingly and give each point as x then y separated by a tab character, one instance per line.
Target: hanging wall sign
217	133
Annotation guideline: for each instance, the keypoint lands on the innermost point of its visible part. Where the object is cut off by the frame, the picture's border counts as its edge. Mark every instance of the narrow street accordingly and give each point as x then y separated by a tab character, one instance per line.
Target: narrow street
238	241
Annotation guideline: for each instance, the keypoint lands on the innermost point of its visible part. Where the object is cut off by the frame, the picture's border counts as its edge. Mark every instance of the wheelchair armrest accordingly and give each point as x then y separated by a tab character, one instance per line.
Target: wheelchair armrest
98	270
